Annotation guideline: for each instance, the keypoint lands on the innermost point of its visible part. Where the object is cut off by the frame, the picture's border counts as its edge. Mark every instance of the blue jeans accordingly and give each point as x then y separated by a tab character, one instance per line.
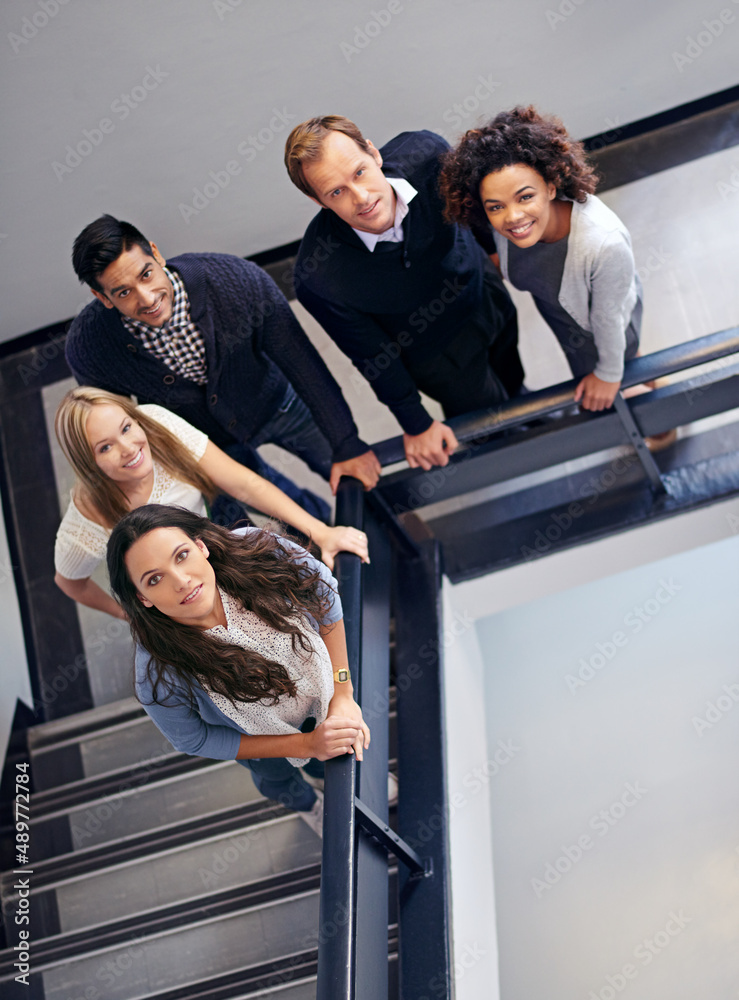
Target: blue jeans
277	779
295	430
226	510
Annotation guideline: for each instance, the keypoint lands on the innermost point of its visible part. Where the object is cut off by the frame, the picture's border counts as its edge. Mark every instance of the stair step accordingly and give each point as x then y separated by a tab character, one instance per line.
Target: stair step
138	810
129	741
210	947
263	844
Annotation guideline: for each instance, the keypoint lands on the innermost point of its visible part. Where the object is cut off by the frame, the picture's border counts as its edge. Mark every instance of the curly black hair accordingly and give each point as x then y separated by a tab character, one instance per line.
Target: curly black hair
518	136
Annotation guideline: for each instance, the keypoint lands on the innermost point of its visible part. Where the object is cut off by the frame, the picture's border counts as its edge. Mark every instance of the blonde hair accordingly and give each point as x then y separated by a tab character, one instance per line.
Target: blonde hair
305	143
97	489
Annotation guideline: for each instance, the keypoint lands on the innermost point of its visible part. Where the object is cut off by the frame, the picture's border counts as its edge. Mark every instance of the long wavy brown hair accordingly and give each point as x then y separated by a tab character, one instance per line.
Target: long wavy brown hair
94	488
256	569
518	136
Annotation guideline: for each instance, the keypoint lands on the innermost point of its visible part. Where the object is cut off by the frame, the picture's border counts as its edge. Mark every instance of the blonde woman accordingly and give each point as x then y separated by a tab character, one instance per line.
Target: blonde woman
125	456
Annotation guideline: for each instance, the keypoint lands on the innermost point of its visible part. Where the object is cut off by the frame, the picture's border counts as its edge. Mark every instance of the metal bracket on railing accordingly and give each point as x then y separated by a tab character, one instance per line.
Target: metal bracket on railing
636	439
374	826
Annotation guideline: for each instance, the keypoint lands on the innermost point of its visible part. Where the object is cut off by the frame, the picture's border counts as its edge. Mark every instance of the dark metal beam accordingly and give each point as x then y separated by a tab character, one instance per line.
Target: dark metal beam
336	927
525	451
636	439
424	931
538	404
372	917
382	832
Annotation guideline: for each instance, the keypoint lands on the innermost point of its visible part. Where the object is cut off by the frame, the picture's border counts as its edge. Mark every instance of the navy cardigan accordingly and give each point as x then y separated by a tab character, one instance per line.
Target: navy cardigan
254	346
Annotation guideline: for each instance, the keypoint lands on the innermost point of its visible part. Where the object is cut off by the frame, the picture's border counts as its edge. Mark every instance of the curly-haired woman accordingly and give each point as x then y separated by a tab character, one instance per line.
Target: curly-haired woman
524	175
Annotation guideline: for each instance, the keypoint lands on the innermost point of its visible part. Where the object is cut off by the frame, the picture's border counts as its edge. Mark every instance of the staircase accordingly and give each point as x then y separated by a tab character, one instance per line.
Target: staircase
159	875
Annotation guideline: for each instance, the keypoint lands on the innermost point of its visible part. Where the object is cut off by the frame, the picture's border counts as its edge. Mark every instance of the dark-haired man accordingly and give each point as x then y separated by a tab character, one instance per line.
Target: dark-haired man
411	299
211	337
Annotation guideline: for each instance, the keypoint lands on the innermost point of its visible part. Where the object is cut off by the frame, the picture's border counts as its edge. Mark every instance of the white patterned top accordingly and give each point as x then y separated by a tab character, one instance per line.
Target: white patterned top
81	543
313	675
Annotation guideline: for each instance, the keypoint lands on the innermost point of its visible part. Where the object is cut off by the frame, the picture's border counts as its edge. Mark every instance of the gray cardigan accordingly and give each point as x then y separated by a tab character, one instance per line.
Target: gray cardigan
599	285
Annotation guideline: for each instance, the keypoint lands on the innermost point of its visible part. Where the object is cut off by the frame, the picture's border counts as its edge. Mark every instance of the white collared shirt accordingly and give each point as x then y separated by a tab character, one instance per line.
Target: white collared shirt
404	195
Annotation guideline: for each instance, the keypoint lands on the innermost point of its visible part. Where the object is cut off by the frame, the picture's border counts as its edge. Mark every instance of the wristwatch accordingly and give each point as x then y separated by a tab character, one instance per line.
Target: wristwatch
342	676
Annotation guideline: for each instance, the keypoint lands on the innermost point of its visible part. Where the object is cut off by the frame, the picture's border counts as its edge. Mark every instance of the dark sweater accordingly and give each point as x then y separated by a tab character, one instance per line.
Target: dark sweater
254	346
399	306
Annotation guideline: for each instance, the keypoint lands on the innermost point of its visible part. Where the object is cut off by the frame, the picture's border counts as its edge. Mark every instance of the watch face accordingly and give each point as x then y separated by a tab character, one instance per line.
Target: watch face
343	675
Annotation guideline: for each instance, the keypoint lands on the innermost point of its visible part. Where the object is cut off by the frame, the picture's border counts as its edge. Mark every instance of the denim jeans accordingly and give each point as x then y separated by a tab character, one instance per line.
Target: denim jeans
226	510
276	778
295	430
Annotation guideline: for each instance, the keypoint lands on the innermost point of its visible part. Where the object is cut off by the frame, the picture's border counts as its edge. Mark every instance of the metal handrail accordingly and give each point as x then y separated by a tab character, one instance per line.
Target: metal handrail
336	951
345	815
538	404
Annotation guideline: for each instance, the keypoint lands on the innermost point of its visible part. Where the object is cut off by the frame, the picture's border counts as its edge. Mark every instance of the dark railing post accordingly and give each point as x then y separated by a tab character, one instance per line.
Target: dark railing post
636	440
336	933
424	931
372	864
336	928
353	930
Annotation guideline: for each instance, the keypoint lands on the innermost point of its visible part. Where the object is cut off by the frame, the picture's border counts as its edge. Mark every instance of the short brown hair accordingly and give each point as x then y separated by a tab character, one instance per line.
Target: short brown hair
305	142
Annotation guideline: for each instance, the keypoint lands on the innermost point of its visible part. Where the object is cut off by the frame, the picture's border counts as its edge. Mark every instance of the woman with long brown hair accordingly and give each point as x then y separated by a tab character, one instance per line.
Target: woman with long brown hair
240	647
126	455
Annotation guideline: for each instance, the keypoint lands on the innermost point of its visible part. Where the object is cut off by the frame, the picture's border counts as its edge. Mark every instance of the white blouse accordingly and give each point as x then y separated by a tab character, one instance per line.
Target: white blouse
313	675
81	543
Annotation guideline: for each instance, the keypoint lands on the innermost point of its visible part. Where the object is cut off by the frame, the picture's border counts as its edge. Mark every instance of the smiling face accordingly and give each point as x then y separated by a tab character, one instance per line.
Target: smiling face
119	445
136	286
171	572
349	181
520	205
